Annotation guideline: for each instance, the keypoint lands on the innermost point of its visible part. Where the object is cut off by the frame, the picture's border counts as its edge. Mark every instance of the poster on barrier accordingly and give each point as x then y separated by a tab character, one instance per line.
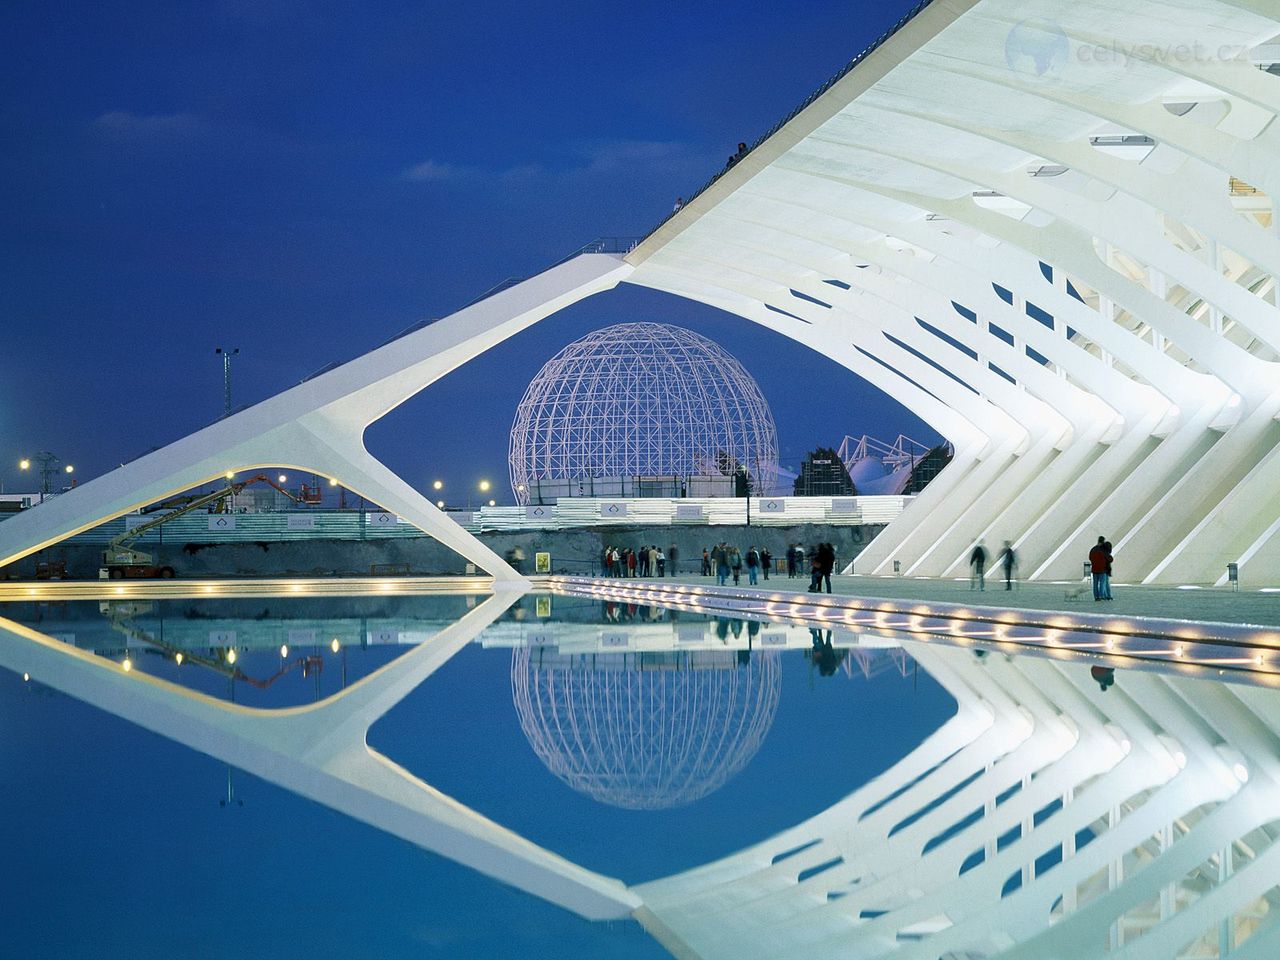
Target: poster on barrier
221	521
538	511
301	521
689	511
382	520
612	508
844	505
773	505
690	632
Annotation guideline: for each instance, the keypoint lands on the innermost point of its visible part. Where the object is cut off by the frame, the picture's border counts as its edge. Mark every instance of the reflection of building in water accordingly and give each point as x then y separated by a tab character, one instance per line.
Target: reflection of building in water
645	731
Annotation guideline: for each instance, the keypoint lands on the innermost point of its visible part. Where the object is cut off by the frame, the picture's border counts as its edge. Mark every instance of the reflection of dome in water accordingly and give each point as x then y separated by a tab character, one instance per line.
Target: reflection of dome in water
640	400
645	731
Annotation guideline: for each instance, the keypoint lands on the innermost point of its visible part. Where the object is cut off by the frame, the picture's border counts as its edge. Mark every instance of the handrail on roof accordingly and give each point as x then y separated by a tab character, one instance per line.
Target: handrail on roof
832	81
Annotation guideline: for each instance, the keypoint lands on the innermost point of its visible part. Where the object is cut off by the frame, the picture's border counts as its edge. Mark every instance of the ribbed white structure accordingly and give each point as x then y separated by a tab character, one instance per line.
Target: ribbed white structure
1047	228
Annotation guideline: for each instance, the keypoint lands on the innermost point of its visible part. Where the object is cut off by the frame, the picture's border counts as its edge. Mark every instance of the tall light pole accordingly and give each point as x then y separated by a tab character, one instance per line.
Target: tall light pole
226	376
46	463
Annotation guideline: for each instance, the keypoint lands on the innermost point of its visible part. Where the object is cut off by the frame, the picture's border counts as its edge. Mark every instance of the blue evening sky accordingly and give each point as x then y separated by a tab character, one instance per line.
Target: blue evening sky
303	180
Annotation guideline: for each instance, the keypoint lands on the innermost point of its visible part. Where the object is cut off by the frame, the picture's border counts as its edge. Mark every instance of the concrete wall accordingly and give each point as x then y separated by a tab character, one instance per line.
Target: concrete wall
572	551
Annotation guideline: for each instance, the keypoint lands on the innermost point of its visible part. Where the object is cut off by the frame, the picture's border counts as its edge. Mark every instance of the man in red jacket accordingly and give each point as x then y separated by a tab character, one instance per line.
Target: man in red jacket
1099	565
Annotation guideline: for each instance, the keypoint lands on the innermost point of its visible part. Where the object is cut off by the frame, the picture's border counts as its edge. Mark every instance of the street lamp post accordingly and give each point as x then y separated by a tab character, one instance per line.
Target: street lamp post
46	463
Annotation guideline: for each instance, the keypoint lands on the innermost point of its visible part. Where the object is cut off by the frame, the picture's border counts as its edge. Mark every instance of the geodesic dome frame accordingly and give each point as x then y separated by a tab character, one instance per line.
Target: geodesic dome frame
638	400
645	731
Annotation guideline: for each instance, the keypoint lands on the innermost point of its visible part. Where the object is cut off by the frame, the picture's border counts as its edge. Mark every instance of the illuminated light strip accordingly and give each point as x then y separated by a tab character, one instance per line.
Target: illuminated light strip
931	622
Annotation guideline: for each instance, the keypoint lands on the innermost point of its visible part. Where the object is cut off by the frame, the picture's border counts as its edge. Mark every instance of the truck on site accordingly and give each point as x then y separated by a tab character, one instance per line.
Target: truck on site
120	561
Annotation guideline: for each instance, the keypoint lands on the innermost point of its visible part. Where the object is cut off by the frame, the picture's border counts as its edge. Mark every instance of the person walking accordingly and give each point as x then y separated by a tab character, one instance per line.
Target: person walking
1099	561
1008	559
642	561
815	572
753	566
721	558
766	561
631	563
791	561
672	555
735	564
662	563
706	562
1106	584
977	567
827	559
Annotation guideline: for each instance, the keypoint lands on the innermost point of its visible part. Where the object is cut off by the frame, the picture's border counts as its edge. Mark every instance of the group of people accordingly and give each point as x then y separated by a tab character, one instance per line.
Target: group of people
978	566
822	562
1099	567
647	561
724	561
728	561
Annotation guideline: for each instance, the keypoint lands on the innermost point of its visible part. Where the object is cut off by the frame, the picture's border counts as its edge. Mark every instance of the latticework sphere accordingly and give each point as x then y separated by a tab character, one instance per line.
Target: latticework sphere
641	400
645	731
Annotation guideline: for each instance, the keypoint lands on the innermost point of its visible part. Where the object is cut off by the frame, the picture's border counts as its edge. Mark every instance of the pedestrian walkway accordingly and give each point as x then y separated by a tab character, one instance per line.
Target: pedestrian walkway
1217	604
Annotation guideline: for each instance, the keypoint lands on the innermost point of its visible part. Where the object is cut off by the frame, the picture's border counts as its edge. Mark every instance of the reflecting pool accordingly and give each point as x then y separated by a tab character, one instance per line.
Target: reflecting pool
634	740
386	773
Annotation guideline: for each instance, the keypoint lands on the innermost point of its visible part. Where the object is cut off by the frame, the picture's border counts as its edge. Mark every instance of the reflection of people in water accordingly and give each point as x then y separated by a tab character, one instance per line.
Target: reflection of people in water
826	657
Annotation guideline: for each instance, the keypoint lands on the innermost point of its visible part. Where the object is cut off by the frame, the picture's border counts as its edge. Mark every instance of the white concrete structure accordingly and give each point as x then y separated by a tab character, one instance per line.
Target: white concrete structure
1046	227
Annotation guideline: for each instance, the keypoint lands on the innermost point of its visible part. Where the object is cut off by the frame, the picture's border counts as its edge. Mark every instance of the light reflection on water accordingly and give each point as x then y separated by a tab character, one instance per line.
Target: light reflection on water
633	740
631	706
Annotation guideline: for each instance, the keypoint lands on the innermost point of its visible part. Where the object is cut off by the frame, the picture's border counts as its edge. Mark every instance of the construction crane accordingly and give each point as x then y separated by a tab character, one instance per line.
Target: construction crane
122	562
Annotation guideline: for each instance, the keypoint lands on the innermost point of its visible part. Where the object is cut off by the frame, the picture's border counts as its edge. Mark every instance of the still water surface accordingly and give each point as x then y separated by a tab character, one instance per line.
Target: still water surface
632	740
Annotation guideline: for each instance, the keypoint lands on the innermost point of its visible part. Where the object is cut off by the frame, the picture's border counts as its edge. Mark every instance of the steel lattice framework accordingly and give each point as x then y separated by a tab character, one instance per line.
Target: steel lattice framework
641	400
645	731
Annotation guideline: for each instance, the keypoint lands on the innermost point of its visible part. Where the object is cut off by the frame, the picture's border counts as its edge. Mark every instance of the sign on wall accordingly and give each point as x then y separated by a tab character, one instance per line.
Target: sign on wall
612	508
